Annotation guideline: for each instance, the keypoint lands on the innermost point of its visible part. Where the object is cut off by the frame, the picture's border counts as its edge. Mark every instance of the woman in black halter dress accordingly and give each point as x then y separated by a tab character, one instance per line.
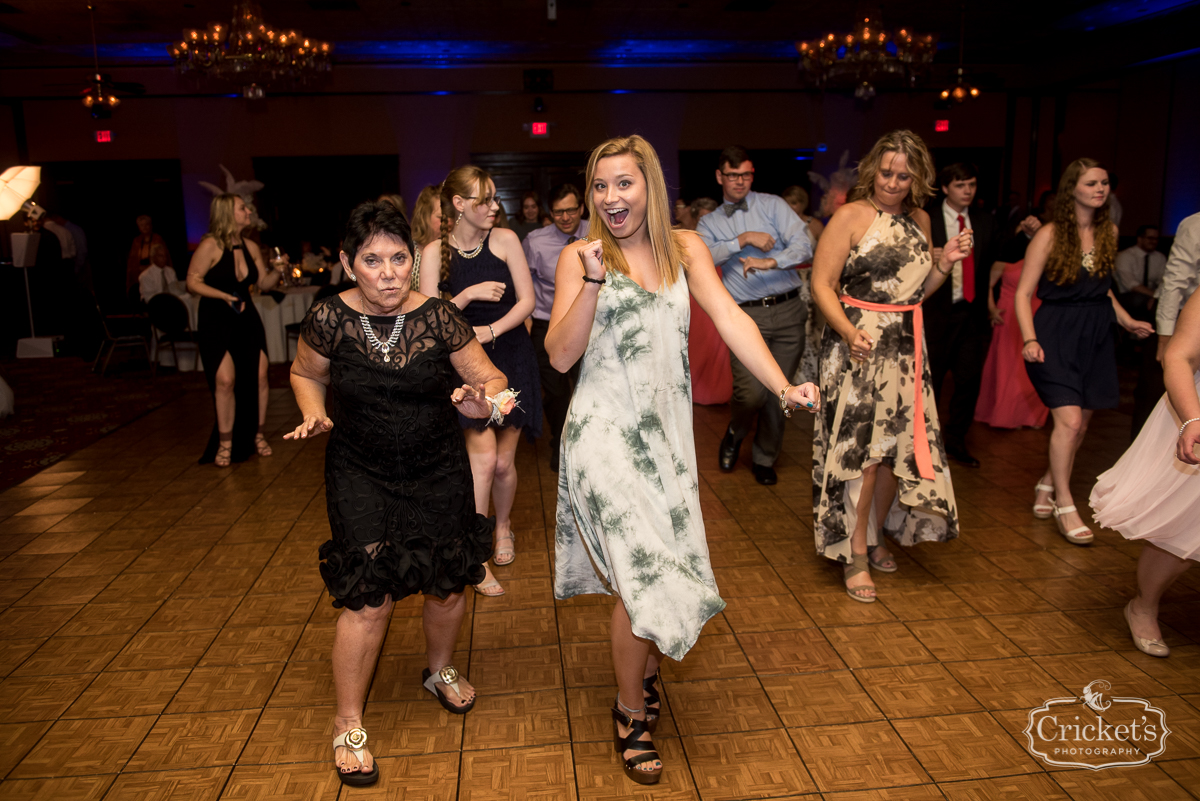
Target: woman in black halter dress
233	344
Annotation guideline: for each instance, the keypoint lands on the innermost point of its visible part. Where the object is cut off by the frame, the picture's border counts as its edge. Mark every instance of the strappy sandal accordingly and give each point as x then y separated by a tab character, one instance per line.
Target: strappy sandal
1080	535
487	585
1043	511
885	565
652	701
355	741
260	443
633	742
860	564
510	551
448	676
224	453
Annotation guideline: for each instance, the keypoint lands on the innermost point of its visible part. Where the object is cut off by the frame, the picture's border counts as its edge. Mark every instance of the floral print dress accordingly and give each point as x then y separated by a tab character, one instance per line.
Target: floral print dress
867	414
629	520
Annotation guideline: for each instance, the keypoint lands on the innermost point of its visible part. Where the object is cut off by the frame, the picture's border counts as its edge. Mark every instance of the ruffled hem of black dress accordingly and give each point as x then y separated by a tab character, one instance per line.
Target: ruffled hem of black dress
416	564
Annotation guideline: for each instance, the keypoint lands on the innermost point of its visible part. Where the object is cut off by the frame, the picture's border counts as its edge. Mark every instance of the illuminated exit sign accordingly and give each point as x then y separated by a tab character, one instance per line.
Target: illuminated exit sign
103	136
539	130
941	126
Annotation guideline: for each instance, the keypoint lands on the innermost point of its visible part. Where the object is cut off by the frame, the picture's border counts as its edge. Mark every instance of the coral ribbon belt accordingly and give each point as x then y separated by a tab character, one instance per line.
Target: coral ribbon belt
920	435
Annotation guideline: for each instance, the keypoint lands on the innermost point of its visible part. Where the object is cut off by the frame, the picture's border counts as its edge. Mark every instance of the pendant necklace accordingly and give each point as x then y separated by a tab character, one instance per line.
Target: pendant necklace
472	254
383	347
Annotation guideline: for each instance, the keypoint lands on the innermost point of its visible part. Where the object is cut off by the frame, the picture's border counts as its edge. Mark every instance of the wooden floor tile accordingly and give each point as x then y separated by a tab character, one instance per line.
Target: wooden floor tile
128	692
183	614
818	699
930	602
717	657
194	741
297	734
857	757
432	777
1076	671
916	690
789	652
590	623
96	563
510	670
528	628
514	721
316	642
141	587
218	583
834	608
1031	564
1000	598
589	664
877	645
1143	783
1006	788
170	785
1180	672
58	591
957	747
280	610
304	684
739	582
162	650
240	646
40	697
398	678
78	788
82	747
589	710
766	613
165	561
1046	633
17	740
964	638
312	781
601	777
34	621
216	689
746	765
108	619
521	593
73	655
542	773
725	705
1018	683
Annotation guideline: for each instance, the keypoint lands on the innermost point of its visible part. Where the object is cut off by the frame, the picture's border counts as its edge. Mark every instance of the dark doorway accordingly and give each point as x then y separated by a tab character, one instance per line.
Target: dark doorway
989	161
517	173
774	171
310	197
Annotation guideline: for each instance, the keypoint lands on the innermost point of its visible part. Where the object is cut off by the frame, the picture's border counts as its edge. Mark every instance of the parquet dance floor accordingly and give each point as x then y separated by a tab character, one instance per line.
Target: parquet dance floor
165	634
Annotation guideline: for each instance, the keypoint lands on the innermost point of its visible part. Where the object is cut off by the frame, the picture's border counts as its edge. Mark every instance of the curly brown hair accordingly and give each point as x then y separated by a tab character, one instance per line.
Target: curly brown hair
919	163
1063	265
466	181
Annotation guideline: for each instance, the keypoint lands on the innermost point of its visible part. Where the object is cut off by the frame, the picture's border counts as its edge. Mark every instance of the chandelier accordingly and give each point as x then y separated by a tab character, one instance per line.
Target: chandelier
961	91
251	51
865	57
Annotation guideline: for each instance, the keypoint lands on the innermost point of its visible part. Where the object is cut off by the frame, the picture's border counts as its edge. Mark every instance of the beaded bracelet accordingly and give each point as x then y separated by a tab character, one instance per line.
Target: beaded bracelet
1185	425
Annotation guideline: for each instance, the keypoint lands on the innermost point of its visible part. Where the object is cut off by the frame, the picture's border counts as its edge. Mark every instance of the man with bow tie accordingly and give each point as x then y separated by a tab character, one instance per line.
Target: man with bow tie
759	244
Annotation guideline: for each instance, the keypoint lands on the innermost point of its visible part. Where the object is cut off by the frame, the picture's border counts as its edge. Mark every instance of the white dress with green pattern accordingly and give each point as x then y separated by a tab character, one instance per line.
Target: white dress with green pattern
629	520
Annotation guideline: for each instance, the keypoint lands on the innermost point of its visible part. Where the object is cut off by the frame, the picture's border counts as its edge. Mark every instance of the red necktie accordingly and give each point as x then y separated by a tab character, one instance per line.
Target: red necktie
968	269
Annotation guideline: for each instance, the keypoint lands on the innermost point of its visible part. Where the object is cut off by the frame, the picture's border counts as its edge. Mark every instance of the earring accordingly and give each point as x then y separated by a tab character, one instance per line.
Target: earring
353	277
460	215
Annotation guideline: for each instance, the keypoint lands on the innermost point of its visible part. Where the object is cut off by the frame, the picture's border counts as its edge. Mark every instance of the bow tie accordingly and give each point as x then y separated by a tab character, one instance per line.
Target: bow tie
730	208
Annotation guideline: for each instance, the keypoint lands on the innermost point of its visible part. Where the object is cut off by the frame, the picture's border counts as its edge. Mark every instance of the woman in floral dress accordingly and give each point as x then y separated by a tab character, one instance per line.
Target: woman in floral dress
629	518
877	447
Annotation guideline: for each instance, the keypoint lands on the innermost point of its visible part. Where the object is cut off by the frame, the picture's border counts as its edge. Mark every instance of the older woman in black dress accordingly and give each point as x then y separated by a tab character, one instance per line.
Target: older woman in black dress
233	343
376	366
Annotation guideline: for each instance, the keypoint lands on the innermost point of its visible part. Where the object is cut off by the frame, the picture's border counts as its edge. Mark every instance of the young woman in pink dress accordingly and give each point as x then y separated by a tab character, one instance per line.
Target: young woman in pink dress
1152	493
1007	398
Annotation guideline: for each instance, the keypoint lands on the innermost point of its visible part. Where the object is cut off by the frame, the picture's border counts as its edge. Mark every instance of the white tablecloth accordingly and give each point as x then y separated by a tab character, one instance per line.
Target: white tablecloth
275	317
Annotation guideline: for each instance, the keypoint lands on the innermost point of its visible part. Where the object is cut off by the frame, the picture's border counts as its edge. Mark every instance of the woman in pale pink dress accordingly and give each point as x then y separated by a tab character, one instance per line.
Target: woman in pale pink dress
1007	398
1153	492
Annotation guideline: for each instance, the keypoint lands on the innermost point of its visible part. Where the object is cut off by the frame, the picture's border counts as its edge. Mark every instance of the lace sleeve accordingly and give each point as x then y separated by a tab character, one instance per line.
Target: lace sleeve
320	327
451	327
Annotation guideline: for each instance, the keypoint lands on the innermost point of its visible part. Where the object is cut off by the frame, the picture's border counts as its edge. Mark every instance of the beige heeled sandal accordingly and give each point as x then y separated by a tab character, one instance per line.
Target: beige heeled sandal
1043	511
1080	535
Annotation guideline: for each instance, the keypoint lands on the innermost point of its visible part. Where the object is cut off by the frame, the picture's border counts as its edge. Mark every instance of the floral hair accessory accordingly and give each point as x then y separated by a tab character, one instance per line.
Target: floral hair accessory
502	404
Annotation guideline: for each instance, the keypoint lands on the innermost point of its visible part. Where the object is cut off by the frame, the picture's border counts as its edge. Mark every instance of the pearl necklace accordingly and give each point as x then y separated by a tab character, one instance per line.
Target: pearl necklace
383	347
478	248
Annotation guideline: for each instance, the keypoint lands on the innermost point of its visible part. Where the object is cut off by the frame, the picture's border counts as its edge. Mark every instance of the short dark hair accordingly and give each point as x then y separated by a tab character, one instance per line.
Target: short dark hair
733	156
1142	229
957	172
565	190
370	219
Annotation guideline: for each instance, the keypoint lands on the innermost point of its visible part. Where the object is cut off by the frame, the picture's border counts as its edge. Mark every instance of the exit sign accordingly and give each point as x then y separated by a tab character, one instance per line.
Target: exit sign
539	130
103	136
941	126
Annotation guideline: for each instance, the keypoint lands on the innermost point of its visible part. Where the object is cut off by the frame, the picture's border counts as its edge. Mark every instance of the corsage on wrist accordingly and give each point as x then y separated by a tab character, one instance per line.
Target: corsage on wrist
502	404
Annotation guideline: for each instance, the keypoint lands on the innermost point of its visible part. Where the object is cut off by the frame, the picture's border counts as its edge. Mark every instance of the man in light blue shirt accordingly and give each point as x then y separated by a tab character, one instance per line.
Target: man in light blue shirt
759	244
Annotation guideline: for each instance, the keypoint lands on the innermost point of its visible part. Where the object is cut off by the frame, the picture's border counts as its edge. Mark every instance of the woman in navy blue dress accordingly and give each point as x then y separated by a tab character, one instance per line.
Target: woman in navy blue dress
1069	350
484	273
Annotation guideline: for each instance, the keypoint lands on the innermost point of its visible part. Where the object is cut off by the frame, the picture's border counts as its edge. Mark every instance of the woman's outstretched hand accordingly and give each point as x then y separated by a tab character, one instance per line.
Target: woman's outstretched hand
805	396
313	424
472	401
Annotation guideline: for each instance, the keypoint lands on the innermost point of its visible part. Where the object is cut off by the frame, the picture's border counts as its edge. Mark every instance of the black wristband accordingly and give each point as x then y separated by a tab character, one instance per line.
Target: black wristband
595	280
1026	342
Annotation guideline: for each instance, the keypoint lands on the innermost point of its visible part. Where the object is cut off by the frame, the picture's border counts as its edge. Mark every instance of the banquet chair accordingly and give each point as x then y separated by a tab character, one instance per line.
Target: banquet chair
123	338
169	325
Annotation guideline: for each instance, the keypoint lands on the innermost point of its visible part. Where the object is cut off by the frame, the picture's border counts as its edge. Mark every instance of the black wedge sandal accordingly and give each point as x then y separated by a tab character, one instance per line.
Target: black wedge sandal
633	743
652	701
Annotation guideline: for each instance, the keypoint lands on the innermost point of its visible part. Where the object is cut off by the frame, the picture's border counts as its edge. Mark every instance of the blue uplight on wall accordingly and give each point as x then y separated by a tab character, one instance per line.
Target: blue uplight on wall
1105	15
629	52
435	52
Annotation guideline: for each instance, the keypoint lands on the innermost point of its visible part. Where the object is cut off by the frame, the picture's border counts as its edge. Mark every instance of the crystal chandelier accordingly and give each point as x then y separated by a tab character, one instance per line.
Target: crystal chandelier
865	57
250	51
961	91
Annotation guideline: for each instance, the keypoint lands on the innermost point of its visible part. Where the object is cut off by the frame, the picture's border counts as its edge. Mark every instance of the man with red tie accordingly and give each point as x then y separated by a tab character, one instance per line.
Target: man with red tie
958	329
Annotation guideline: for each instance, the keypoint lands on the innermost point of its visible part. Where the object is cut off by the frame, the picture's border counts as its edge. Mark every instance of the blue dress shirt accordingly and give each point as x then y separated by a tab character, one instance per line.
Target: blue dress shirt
772	215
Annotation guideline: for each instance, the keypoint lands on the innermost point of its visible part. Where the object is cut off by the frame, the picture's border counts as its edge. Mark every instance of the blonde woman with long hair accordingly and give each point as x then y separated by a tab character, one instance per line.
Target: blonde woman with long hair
233	344
426	226
629	518
1068	347
878	459
482	270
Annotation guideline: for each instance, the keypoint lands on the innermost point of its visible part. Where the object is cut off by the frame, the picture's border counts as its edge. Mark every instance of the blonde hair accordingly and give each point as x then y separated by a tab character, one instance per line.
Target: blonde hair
669	252
422	233
1066	254
797	195
221	225
396	201
461	182
919	165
